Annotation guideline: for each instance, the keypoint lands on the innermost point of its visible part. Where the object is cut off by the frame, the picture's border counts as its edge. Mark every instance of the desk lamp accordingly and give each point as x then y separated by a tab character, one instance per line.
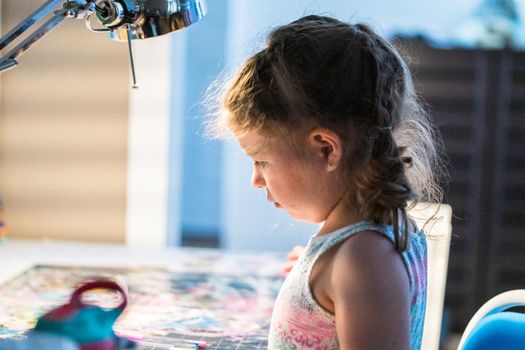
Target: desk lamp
124	20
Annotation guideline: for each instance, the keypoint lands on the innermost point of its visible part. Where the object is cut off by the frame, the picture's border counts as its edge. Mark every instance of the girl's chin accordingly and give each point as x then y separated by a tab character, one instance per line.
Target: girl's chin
308	220
301	218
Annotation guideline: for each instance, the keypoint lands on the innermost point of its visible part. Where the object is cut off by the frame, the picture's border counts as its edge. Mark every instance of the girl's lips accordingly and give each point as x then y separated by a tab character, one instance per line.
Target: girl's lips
277	205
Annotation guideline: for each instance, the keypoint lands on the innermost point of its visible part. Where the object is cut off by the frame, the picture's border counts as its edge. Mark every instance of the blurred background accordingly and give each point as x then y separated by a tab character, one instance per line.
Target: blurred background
85	157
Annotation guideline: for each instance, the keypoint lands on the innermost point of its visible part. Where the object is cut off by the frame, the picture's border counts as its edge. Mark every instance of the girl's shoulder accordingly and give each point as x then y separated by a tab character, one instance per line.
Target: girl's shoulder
369	250
368	262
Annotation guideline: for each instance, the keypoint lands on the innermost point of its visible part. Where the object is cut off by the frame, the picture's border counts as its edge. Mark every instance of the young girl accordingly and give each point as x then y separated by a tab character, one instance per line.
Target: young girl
328	113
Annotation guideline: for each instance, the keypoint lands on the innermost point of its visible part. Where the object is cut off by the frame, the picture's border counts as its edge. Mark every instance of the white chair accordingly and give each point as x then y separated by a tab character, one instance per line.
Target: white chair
436	220
504	332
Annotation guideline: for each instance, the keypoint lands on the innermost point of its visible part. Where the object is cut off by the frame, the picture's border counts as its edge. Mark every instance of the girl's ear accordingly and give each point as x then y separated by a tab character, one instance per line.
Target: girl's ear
327	147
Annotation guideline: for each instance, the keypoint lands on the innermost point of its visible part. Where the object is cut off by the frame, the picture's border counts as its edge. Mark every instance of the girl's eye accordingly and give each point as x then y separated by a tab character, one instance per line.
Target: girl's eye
259	163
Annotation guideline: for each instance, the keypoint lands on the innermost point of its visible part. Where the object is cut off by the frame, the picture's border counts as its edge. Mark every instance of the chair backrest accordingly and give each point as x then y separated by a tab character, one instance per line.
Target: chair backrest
436	220
499	303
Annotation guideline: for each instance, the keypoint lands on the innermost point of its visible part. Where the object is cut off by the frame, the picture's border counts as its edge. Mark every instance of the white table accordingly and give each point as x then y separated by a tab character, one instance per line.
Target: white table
18	255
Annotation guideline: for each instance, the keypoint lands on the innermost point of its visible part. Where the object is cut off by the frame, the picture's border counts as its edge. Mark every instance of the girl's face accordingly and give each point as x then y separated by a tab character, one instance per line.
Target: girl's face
299	184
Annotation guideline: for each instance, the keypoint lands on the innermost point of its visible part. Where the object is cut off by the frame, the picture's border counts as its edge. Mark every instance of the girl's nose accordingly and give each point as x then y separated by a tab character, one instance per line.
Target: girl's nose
257	180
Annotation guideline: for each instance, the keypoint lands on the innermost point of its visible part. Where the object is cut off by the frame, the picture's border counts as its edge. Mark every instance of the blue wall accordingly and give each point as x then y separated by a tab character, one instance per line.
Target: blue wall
201	173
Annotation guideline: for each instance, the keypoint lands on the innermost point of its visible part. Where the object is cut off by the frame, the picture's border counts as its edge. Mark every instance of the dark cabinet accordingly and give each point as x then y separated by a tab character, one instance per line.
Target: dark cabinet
477	99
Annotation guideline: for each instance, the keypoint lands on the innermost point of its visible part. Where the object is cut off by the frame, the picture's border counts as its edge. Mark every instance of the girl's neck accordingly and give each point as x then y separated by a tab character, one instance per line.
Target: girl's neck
343	214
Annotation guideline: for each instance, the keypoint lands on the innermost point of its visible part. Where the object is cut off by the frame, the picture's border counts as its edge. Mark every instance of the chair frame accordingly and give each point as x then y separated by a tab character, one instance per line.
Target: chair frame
436	220
500	302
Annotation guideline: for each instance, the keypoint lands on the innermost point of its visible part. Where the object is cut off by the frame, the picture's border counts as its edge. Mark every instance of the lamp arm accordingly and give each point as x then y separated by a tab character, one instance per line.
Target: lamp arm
28	22
9	60
72	8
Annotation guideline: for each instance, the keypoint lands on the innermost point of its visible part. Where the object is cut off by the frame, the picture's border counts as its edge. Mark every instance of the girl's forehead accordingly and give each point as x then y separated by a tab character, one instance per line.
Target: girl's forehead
254	143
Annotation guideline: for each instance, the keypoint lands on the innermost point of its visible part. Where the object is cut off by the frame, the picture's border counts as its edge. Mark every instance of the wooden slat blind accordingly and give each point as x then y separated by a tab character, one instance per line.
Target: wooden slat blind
63	134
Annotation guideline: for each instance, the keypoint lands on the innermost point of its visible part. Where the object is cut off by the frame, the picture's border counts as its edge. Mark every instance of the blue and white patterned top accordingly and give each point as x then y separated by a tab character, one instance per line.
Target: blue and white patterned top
299	322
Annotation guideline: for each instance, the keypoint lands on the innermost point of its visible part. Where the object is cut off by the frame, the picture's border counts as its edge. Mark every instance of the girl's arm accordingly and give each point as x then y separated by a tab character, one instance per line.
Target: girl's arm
369	287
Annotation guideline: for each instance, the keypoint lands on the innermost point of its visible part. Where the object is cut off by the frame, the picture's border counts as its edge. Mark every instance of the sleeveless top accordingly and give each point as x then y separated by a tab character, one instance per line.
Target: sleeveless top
299	322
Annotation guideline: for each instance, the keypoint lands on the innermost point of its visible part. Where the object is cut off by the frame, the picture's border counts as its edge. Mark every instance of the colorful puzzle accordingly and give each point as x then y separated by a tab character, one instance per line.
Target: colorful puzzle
167	310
